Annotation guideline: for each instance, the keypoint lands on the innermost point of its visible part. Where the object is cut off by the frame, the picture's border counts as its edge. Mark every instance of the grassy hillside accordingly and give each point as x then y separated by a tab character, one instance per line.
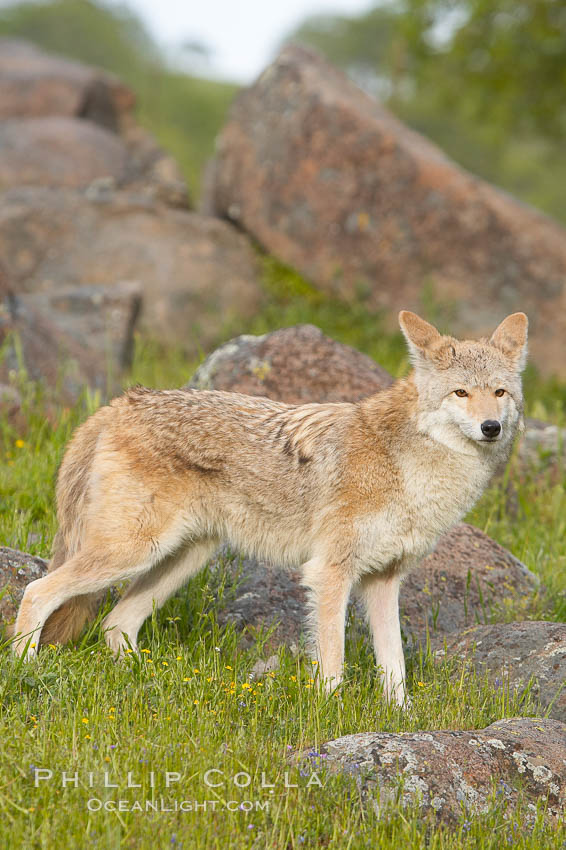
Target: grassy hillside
186	704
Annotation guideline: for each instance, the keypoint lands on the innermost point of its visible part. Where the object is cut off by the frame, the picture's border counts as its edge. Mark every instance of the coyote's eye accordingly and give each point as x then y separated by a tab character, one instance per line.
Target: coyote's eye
461	393
499	393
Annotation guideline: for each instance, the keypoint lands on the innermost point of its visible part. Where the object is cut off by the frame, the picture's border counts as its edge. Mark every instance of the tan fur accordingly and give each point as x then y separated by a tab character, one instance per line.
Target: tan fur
67	622
355	493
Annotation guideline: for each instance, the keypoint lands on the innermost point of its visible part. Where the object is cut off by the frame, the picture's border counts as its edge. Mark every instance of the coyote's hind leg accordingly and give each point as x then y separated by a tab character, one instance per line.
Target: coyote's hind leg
152	588
89	571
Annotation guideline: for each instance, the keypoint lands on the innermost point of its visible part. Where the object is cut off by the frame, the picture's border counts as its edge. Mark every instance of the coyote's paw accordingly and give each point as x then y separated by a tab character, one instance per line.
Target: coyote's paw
25	647
119	643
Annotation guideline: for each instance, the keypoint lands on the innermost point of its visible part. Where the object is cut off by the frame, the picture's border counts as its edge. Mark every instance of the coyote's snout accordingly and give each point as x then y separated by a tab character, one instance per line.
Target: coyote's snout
355	493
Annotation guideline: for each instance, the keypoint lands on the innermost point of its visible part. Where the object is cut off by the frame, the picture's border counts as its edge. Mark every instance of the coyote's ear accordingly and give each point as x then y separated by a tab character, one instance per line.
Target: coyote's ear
420	335
510	337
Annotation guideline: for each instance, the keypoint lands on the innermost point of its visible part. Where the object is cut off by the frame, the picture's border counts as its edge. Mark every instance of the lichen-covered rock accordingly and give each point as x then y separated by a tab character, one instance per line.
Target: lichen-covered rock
295	365
334	185
17	569
514	656
518	761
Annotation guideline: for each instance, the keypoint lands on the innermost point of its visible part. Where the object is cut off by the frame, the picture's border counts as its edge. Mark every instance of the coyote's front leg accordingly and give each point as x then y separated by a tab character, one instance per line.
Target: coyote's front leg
329	588
381	598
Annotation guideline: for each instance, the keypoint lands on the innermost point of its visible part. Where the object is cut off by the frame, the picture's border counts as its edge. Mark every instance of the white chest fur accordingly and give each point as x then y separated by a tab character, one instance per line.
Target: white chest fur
437	487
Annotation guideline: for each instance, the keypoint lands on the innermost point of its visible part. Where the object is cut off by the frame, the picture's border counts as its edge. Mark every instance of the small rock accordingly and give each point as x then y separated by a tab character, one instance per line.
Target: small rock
17	569
515	655
10	402
448	773
295	365
541	442
152	170
261	668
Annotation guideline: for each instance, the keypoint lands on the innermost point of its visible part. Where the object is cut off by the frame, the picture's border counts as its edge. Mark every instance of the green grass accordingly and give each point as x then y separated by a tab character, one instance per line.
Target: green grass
185	705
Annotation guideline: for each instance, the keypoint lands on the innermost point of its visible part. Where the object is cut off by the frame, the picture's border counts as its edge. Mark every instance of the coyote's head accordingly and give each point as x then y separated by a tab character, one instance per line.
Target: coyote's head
469	390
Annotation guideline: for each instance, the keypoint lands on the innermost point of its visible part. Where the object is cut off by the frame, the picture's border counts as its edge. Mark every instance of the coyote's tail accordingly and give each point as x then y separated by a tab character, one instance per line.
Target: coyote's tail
67	622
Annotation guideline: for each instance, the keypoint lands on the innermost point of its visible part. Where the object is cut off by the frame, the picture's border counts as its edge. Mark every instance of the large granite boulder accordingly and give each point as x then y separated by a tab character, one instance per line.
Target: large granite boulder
467	579
72	152
58	152
36	84
196	274
67	124
71	337
331	183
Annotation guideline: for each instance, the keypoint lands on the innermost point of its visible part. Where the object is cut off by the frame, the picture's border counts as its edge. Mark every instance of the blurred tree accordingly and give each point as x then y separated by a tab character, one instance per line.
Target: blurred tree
508	56
366	47
91	32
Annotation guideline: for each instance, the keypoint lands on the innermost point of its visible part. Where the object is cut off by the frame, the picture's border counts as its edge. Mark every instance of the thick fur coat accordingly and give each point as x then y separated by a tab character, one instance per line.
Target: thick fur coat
355	493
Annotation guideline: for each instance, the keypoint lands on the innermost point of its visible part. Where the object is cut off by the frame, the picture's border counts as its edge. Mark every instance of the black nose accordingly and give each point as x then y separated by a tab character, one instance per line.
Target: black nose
491	428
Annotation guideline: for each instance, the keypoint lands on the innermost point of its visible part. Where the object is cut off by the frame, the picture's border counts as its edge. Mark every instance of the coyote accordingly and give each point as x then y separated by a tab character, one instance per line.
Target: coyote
357	494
